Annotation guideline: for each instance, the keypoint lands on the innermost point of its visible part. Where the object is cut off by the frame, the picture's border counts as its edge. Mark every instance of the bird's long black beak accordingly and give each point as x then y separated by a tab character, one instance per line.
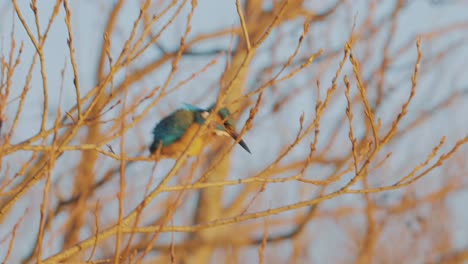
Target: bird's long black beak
232	132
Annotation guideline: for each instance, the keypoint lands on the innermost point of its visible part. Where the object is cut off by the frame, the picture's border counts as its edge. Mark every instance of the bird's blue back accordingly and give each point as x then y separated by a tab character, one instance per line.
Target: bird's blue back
173	127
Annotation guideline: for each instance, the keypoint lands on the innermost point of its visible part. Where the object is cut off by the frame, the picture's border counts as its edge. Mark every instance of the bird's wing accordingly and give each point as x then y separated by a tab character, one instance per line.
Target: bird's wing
172	127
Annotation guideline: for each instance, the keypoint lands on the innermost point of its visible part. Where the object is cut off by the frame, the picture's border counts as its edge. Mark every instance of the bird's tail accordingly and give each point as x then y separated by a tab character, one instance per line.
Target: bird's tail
154	146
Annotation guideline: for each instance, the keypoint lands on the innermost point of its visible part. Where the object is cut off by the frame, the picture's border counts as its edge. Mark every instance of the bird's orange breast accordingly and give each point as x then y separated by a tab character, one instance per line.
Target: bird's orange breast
176	148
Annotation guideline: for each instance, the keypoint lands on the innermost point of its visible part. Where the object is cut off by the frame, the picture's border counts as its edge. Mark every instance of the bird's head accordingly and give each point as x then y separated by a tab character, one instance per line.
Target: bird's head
224	124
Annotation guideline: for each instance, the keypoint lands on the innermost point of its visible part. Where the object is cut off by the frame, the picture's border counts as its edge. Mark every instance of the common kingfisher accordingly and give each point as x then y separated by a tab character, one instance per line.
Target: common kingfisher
174	132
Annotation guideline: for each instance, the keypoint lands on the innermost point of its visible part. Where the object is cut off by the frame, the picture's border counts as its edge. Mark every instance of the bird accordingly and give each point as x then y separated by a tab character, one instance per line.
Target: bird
174	133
